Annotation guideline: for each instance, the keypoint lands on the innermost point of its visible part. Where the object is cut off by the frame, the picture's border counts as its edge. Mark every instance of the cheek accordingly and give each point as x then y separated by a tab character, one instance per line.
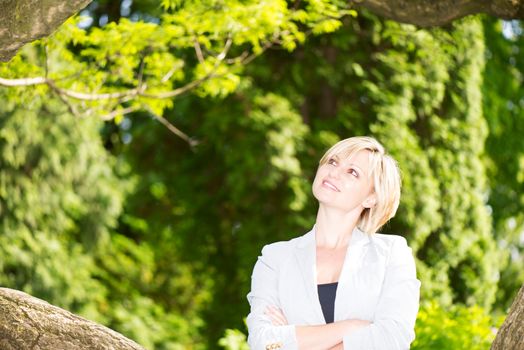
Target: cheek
318	176
356	192
314	186
317	183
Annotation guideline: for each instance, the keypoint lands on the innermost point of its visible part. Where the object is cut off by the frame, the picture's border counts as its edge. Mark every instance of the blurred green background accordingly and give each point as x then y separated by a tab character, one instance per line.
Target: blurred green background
106	211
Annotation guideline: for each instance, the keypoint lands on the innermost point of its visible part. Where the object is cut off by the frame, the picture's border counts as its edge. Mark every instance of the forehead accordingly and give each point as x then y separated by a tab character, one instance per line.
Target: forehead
359	157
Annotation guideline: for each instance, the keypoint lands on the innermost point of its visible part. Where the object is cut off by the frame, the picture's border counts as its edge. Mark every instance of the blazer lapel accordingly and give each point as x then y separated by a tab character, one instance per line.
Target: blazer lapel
306	256
357	249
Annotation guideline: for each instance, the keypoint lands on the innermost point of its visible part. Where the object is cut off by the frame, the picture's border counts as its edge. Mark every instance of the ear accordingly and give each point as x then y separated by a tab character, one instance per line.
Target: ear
370	202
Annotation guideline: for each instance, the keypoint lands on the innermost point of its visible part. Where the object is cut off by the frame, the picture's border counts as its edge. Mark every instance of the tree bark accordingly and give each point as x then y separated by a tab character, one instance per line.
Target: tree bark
22	21
511	333
30	323
428	13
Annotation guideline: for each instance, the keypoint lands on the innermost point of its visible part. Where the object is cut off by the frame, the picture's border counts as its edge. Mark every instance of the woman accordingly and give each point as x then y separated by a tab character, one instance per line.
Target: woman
341	285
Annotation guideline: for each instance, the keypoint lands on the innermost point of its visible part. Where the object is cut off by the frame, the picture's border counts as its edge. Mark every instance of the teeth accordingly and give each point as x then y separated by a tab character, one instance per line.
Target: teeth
330	185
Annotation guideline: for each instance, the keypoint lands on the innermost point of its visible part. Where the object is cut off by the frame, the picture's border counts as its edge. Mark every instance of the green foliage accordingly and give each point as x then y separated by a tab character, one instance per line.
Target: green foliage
503	108
455	327
234	340
198	44
452	132
61	194
244	179
59	199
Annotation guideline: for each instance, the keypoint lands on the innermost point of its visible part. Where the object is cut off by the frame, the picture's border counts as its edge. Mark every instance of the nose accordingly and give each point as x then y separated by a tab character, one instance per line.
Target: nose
334	171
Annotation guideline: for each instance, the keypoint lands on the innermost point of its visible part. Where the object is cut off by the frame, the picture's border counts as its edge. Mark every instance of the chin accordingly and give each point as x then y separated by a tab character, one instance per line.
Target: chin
319	194
326	200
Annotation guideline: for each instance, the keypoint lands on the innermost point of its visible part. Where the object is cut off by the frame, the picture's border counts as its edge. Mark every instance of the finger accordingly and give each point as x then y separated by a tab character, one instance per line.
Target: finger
278	315
274	320
275	316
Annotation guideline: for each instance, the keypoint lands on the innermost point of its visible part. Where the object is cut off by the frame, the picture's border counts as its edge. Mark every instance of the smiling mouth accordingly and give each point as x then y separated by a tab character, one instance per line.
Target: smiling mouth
329	185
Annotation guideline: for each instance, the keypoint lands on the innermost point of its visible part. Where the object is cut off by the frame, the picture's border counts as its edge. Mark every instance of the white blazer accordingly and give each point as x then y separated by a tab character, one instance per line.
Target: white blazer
377	283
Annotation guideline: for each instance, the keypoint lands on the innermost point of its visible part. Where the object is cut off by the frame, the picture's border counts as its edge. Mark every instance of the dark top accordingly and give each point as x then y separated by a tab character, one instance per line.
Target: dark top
326	294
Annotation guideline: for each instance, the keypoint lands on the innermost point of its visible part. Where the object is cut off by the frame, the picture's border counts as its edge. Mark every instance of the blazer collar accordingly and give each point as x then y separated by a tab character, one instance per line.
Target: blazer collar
306	254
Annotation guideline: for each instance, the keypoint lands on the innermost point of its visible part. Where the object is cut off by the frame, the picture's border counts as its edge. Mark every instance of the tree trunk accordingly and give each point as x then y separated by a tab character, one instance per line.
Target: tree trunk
22	21
427	13
30	323
511	334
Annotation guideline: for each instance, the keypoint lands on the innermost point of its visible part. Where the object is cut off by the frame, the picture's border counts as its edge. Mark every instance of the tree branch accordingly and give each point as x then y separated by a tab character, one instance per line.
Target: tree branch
178	91
511	333
140	90
23	81
26	20
27	322
191	141
124	111
102	96
198	52
428	13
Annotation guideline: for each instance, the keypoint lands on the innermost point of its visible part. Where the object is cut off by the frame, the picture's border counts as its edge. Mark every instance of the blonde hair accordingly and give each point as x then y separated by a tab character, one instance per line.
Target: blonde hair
384	172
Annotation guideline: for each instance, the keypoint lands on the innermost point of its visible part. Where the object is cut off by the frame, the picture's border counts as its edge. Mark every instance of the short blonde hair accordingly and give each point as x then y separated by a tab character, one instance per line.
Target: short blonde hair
384	172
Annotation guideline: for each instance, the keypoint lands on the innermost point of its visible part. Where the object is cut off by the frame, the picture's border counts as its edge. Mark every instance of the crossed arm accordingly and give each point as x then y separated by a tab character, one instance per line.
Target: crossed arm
326	336
269	328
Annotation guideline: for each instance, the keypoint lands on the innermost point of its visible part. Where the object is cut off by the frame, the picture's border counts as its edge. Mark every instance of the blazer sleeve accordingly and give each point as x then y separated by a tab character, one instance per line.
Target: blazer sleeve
394	320
263	335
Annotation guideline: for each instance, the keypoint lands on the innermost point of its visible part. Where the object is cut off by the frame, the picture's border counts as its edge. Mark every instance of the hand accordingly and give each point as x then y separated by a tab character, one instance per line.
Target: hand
276	315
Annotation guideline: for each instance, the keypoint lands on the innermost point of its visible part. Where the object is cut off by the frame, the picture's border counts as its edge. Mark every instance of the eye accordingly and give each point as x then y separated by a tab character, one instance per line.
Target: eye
353	172
332	161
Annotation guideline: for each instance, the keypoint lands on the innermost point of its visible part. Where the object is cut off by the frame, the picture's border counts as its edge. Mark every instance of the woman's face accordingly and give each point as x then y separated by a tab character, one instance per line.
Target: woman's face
344	183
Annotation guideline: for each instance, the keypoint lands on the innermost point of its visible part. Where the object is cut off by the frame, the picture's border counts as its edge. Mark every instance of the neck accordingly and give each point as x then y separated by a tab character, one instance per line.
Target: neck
334	227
